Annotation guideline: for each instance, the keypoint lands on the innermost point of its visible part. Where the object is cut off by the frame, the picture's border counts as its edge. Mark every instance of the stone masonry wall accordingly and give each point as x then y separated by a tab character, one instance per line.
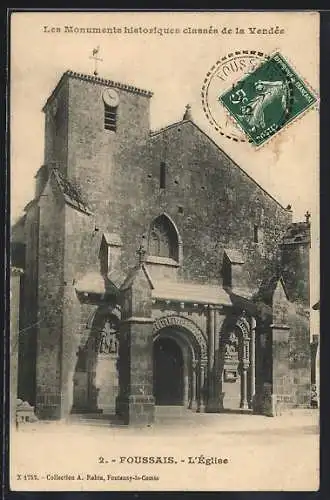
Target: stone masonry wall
98	158
80	239
50	301
56	128
213	203
218	204
29	313
291	372
299	354
295	265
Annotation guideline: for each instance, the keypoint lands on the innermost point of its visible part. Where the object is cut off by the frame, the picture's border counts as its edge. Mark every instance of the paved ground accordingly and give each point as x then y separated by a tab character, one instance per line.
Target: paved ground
201	452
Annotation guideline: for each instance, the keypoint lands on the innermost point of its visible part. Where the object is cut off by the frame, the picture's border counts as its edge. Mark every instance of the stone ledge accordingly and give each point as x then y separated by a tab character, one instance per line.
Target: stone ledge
137	319
164	261
279	326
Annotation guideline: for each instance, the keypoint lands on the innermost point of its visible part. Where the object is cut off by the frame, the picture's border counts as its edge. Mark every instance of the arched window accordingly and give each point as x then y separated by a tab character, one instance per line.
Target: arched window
163	239
154	243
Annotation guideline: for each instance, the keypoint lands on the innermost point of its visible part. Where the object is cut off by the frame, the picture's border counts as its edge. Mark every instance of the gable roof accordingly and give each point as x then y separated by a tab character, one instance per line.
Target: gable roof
234	256
268	287
112	239
71	194
297	232
155	133
130	278
95	283
190	292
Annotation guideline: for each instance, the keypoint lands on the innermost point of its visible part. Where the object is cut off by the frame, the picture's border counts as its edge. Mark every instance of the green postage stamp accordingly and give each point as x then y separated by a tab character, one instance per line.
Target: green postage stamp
267	99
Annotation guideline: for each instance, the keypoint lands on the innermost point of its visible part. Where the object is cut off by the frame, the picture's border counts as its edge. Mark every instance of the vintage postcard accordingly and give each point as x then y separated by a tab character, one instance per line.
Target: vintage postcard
164	251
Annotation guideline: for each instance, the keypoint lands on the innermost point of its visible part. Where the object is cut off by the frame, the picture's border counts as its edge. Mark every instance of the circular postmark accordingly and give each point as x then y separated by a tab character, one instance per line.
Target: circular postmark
226	76
224	73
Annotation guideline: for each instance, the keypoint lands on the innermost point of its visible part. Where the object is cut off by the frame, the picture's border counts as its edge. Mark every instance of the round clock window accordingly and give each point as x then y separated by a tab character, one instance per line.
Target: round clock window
111	97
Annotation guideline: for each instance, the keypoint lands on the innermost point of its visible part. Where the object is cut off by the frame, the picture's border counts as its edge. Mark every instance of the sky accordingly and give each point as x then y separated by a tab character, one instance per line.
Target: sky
173	66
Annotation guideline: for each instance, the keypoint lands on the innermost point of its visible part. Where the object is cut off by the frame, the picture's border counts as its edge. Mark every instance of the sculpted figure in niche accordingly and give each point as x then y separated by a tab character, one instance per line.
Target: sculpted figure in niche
108	340
231	346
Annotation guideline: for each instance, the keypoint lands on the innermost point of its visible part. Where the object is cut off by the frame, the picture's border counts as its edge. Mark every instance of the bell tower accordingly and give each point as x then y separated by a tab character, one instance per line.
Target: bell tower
95	127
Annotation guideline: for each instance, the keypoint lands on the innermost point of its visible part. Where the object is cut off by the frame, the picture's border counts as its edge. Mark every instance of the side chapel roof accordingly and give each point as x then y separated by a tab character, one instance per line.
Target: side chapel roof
72	194
267	288
297	232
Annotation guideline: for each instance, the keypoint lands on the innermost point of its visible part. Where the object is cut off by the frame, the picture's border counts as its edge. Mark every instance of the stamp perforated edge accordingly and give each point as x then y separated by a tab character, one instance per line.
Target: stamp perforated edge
234	120
310	107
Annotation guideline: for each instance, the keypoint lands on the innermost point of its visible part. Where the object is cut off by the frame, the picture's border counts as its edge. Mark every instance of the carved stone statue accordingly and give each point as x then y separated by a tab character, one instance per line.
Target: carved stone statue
108	341
231	346
233	339
230	350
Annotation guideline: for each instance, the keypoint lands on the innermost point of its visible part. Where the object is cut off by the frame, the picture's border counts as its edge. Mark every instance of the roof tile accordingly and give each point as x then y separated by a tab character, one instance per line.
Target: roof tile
188	292
71	193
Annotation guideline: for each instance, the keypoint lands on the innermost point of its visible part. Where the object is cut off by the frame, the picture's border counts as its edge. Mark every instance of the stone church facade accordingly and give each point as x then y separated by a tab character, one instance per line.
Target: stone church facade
156	271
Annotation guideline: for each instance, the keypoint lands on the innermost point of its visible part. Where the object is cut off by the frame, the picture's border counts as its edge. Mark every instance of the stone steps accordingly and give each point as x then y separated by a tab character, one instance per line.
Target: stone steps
162	413
172	411
98	419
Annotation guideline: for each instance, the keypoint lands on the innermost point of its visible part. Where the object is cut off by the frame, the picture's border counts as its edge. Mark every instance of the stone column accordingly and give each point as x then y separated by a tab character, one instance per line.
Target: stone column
244	369
201	390
185	379
244	403
211	353
252	363
193	400
218	363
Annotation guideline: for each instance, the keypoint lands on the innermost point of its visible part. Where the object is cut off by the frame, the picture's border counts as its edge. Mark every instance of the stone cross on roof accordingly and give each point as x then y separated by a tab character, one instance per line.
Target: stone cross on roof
187	114
141	251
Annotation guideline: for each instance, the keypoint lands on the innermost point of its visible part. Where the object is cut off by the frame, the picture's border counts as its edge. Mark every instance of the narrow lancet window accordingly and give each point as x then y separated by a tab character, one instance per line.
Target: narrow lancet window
110	118
162	175
255	234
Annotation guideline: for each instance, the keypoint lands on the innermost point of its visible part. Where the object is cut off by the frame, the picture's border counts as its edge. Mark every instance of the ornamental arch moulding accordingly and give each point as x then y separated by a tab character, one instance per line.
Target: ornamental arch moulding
189	326
104	310
243	324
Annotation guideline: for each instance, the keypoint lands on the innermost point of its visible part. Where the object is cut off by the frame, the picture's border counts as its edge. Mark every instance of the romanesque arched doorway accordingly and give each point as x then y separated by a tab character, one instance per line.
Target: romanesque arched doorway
168	377
179	361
